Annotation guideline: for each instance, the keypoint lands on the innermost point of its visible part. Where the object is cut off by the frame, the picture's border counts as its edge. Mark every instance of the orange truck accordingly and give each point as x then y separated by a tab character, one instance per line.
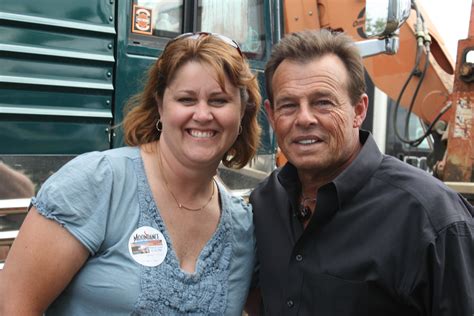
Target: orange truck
413	68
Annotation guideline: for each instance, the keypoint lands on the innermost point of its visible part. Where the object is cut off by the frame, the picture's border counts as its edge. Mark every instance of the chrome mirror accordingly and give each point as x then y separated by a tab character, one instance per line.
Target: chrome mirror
384	17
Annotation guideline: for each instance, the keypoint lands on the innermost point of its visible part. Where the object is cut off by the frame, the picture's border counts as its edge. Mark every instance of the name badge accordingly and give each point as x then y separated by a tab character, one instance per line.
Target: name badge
147	246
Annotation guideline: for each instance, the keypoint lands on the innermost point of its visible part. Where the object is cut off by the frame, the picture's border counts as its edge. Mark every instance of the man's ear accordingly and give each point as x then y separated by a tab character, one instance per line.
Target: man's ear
360	110
270	113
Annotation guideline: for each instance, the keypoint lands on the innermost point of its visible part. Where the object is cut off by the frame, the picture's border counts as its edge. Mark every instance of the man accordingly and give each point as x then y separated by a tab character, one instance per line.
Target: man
343	229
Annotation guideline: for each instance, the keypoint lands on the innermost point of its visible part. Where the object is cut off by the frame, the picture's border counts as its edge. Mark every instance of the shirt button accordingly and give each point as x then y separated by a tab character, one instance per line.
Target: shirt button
299	258
290	303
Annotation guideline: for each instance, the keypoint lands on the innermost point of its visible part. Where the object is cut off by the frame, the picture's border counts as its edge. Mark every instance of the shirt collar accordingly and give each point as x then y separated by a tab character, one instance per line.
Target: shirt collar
358	173
351	180
288	178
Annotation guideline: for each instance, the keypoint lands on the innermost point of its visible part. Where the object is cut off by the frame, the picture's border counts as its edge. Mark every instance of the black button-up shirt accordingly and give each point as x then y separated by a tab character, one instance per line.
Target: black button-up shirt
385	239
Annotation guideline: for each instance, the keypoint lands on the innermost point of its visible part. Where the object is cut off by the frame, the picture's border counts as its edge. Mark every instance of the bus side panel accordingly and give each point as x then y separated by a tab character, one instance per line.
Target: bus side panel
56	76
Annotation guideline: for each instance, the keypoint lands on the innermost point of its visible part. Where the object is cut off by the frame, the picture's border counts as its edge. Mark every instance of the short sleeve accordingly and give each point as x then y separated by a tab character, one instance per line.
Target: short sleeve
453	271
243	254
78	198
446	281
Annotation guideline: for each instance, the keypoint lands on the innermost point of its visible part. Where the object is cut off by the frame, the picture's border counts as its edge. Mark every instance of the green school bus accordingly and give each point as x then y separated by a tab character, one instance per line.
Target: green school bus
67	68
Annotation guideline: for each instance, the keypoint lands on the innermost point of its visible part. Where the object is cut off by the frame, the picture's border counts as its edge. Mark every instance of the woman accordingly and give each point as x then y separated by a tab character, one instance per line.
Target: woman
146	229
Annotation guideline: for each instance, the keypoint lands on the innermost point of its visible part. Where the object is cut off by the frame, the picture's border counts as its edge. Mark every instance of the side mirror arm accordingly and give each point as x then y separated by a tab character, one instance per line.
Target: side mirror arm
374	47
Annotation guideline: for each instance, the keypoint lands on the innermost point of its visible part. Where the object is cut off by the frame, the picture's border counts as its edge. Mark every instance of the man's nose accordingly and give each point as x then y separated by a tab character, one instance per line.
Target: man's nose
305	117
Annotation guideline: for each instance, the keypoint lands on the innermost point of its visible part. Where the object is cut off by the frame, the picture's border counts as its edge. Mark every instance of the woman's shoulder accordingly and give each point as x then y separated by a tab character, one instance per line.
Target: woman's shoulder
239	209
122	152
79	195
90	171
116	155
234	200
103	161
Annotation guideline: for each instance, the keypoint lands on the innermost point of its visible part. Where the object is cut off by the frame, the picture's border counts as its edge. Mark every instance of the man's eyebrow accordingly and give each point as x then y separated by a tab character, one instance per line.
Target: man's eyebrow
286	98
322	94
315	94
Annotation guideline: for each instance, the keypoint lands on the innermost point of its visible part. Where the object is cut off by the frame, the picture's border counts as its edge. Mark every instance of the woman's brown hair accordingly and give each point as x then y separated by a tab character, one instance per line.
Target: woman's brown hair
142	110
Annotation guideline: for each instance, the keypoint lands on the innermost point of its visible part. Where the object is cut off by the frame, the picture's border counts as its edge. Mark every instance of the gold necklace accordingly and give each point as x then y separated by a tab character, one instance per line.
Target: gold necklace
180	205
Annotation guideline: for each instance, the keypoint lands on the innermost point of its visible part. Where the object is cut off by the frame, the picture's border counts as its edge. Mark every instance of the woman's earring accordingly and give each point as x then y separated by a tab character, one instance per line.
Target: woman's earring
240	129
159	126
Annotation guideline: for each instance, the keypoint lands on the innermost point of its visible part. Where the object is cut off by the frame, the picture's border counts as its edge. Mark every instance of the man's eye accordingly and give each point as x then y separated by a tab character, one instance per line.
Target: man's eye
323	102
286	106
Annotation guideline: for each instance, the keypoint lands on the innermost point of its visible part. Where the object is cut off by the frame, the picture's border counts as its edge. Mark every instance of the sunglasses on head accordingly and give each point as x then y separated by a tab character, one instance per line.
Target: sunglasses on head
197	35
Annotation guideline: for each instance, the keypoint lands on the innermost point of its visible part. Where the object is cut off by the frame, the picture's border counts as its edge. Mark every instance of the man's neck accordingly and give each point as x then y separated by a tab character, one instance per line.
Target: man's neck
312	180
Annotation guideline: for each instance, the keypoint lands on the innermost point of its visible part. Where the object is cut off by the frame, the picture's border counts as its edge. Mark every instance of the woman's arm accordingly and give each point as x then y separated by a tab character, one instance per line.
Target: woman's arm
42	261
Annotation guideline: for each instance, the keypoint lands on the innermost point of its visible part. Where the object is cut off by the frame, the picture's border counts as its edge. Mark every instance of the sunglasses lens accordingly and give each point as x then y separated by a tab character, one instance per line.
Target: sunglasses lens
197	35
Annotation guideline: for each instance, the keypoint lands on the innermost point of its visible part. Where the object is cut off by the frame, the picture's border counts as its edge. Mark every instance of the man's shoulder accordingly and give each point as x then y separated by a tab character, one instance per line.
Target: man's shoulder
269	196
419	191
411	179
269	184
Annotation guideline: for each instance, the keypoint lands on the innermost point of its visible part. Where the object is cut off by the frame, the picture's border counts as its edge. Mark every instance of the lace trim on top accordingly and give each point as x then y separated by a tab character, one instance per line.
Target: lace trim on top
168	290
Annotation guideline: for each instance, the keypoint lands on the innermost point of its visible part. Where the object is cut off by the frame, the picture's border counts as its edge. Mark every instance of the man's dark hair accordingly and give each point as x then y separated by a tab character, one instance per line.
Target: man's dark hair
305	46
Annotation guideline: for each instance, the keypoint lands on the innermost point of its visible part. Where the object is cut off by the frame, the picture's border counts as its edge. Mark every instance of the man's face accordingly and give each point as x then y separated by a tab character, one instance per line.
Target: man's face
316	125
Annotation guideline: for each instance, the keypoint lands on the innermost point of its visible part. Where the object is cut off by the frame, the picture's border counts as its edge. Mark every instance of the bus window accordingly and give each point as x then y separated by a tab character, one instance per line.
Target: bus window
240	20
163	18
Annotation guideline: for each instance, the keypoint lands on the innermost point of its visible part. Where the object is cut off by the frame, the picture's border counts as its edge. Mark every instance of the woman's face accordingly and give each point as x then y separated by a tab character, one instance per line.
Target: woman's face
200	120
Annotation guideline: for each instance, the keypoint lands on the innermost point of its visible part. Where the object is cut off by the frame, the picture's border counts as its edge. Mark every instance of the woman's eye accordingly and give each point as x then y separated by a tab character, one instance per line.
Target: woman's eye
186	100
218	102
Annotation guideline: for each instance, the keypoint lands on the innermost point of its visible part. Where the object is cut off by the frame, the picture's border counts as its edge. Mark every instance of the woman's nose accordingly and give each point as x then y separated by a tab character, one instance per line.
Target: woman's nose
202	112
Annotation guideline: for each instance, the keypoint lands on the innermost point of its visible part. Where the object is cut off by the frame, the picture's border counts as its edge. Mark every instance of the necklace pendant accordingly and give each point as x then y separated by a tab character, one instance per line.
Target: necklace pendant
180	205
304	213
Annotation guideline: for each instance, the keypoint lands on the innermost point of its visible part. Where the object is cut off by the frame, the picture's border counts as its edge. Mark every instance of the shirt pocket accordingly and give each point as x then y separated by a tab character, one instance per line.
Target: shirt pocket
329	295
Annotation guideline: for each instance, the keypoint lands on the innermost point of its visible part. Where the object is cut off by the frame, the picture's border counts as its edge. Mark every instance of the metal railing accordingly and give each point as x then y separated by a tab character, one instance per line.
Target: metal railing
12	213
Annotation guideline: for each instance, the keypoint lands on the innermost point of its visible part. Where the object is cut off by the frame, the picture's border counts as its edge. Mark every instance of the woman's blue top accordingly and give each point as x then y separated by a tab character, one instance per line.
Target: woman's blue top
103	199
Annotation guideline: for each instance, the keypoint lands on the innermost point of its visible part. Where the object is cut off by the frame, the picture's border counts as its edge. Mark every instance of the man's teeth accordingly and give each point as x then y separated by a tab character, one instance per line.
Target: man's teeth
307	141
201	134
